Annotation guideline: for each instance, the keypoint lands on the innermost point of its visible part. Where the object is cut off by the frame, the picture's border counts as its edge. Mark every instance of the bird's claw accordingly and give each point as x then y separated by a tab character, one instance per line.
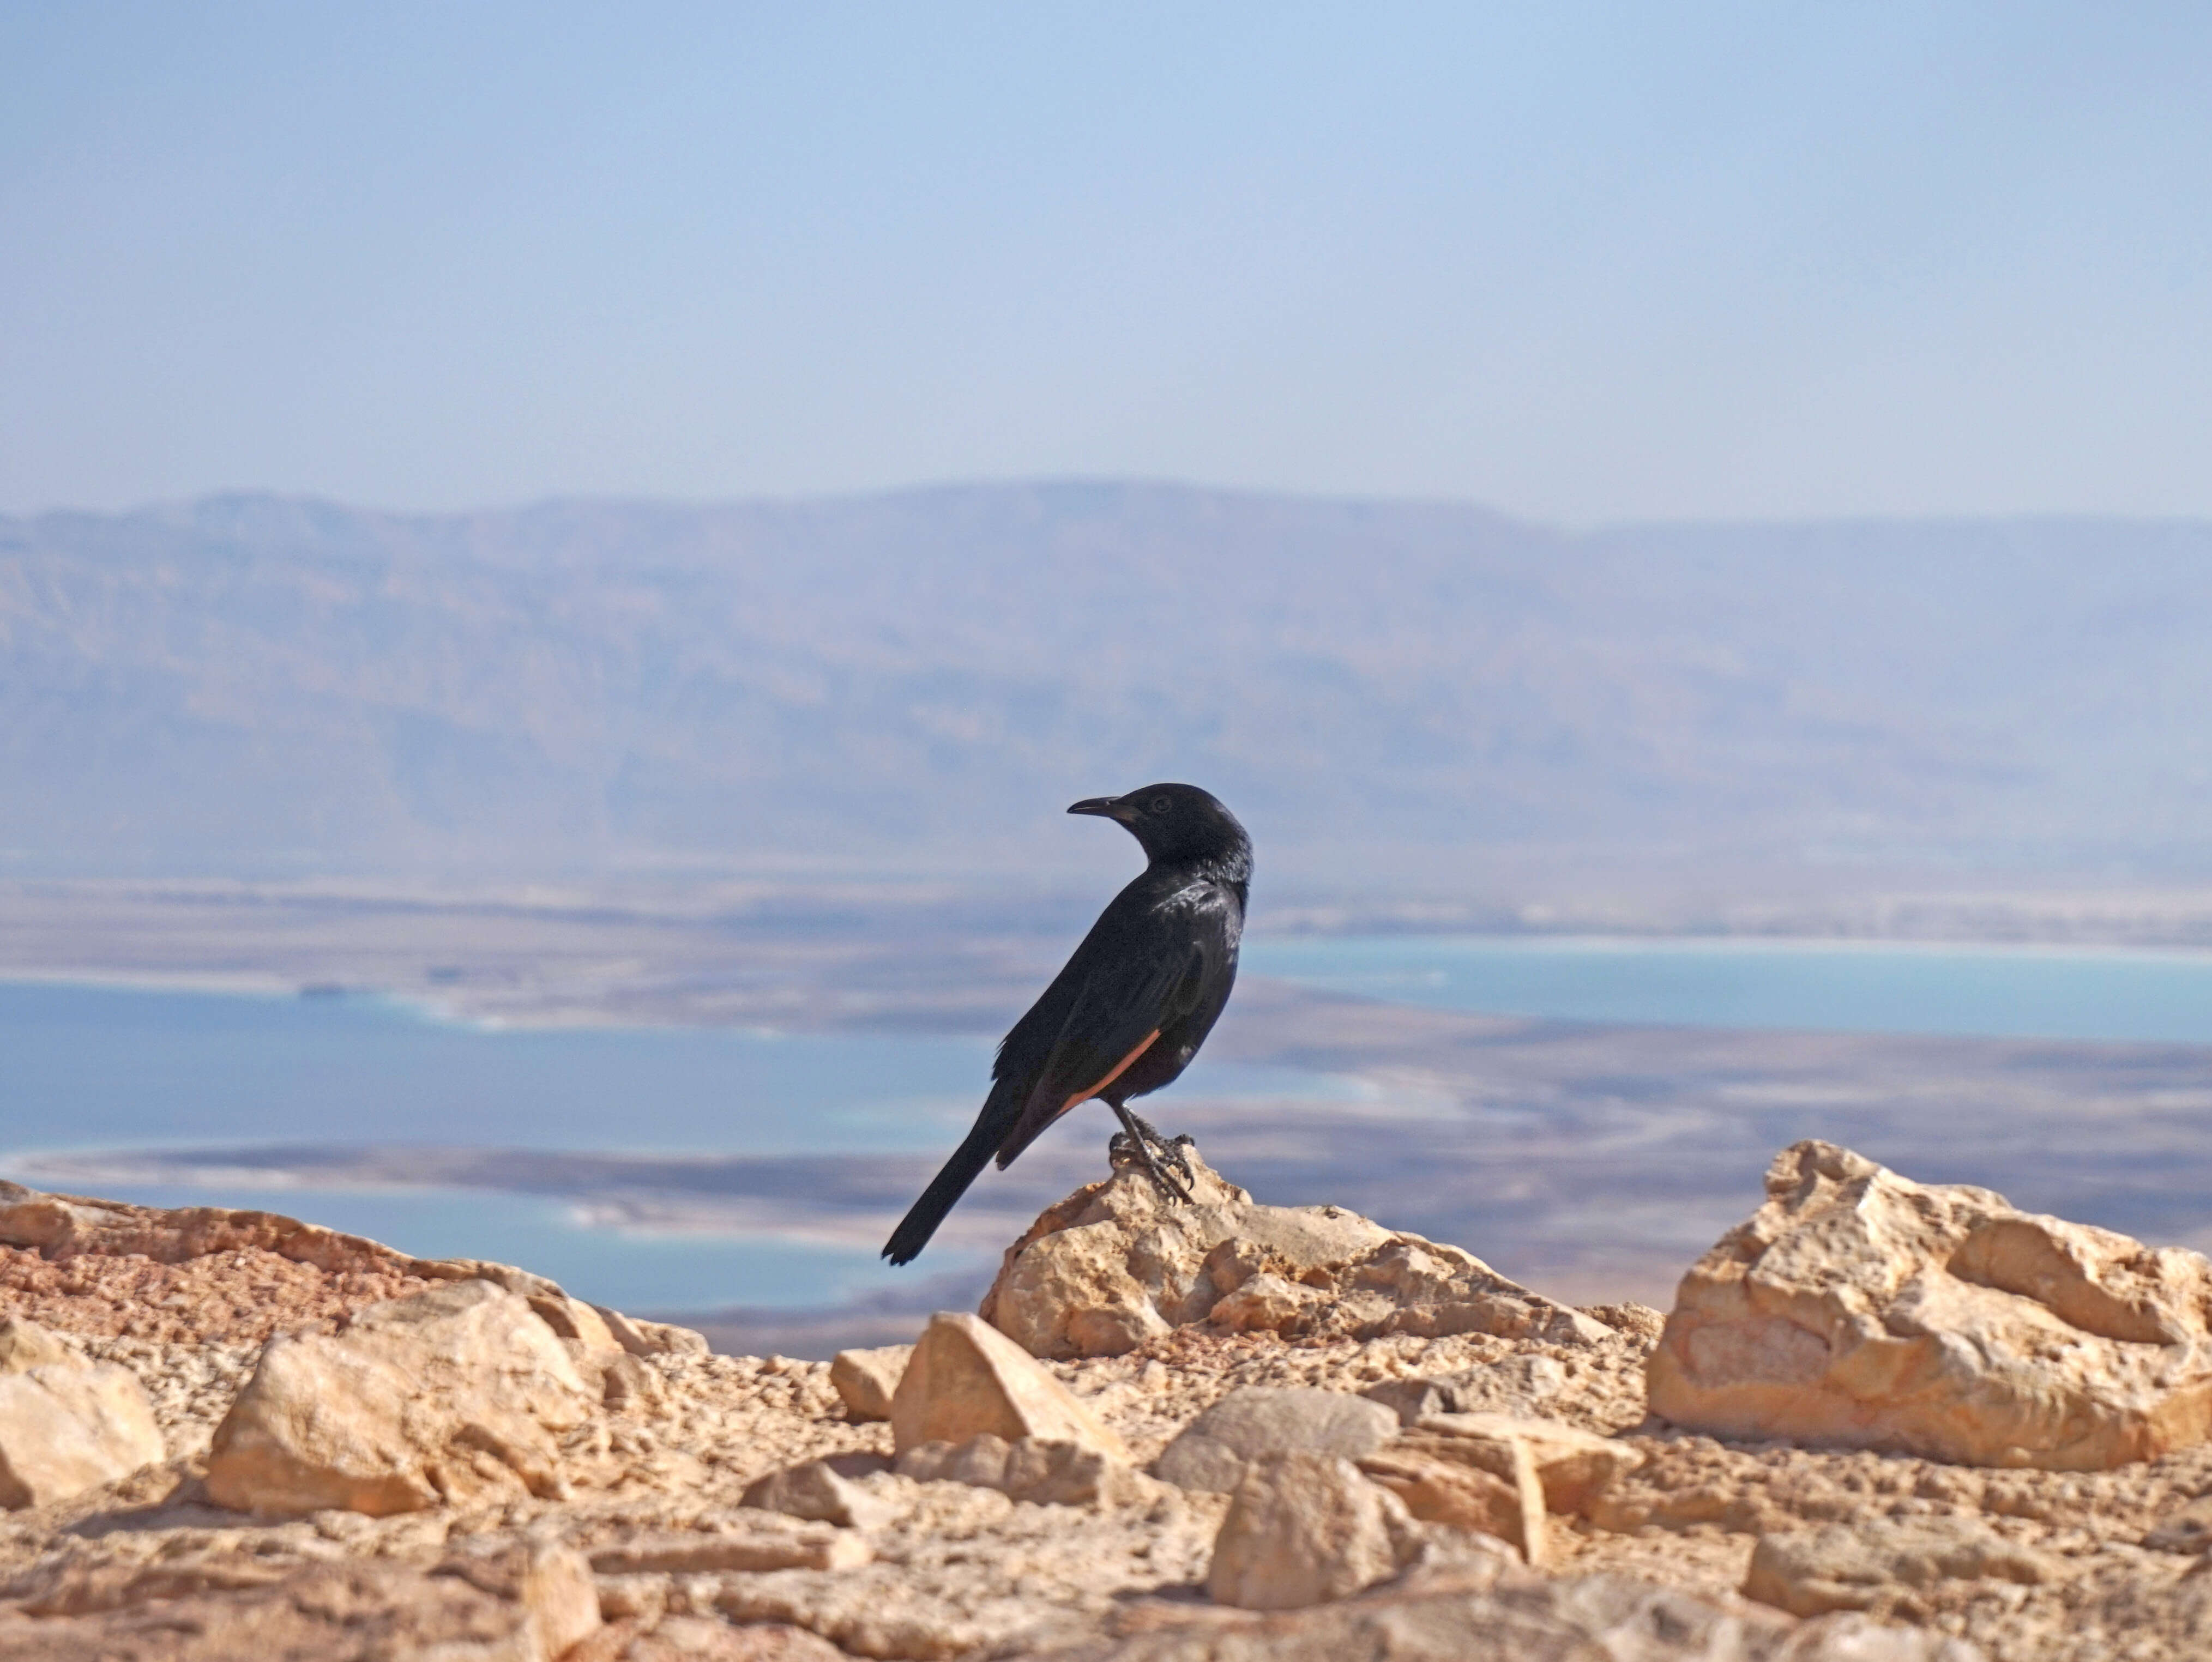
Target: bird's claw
1170	1148
1134	1146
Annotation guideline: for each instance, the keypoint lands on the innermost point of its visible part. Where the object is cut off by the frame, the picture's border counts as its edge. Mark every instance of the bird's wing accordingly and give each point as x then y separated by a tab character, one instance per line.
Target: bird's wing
1119	1008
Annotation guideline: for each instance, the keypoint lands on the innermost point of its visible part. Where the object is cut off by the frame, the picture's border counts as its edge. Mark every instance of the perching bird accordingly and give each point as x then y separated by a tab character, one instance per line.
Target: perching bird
1129	1009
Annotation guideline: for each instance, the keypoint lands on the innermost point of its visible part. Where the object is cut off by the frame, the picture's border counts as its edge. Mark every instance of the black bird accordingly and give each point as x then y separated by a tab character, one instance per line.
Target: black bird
1129	1009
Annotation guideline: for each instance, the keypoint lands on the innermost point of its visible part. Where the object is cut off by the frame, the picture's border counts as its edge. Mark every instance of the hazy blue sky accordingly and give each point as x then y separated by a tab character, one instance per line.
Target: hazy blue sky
1581	262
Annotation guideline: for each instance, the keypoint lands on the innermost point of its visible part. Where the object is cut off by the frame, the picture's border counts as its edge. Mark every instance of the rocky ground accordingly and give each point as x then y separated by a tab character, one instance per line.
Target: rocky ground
495	1472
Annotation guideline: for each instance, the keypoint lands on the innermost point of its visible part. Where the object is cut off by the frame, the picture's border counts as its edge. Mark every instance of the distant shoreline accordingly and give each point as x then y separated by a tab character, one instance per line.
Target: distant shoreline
1581	1157
497	998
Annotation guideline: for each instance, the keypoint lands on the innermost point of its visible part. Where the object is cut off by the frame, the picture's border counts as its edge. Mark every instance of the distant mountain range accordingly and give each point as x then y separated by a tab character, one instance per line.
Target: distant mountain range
921	681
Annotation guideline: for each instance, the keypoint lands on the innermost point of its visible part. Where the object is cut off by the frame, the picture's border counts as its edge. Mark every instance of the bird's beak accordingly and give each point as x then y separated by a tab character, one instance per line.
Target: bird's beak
1106	807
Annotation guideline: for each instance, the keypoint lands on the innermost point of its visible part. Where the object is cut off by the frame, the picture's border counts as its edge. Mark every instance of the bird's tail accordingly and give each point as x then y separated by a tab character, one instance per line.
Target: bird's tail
945	1189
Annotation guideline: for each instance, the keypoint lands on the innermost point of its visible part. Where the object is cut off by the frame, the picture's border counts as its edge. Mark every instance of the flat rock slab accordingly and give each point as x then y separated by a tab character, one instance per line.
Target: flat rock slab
700	1638
195	1274
1863	1567
1214	1451
1857	1307
529	1607
1519	1619
771	1546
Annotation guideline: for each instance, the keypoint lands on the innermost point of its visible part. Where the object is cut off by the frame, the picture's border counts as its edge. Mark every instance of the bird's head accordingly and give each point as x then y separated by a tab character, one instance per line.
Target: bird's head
1177	822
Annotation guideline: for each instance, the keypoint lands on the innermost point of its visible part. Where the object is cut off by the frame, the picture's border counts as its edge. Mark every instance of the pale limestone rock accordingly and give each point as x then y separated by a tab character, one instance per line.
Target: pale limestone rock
1483	1483
63	1227
1414	1398
2188	1529
895	1619
1051	1473
774	1542
627	1382
551	1584
578	1322
980	1462
866	1380
1858	1307
702	1639
60	1226
562	1602
1213	1451
1115	1265
590	1344
347	1612
1863	1566
1518	1618
1572	1466
1304	1529
666	1338
967	1571
65	1428
1268	1304
629	1334
1522	1386
1045	1471
75	1580
817	1490
644	1596
447	1394
1426	1288
966	1377
1437	1490
24	1345
641	1337
1436	1467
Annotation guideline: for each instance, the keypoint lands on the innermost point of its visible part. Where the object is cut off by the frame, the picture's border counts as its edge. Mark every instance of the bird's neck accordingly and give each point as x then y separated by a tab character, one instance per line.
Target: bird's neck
1230	868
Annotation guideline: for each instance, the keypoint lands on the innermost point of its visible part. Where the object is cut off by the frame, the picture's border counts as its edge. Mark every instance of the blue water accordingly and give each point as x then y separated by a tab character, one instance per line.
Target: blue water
84	1067
91	1067
1997	991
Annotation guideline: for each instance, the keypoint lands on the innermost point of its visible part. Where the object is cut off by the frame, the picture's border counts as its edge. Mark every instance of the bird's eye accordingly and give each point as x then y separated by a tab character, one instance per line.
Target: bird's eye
1161	805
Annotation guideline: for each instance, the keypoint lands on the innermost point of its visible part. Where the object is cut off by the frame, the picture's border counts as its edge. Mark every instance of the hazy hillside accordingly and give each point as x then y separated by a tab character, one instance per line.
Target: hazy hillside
252	685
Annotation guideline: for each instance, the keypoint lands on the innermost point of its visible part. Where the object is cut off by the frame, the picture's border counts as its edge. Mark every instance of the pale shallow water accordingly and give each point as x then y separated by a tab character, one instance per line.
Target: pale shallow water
2035	992
94	1067
84	1067
90	1068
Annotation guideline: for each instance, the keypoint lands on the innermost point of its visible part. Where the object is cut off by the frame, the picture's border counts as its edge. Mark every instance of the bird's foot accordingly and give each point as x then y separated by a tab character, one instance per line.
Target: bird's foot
1134	1145
1170	1148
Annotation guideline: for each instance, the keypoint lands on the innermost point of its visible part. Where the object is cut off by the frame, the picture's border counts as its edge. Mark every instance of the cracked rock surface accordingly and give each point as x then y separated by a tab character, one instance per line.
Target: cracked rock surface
1859	1306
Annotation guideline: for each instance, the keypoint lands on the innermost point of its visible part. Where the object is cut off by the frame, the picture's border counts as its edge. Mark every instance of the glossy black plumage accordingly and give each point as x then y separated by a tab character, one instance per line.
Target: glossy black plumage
1140	992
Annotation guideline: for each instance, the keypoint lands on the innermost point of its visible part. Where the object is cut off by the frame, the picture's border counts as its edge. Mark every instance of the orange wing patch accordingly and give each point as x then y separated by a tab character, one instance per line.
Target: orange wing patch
1119	1068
